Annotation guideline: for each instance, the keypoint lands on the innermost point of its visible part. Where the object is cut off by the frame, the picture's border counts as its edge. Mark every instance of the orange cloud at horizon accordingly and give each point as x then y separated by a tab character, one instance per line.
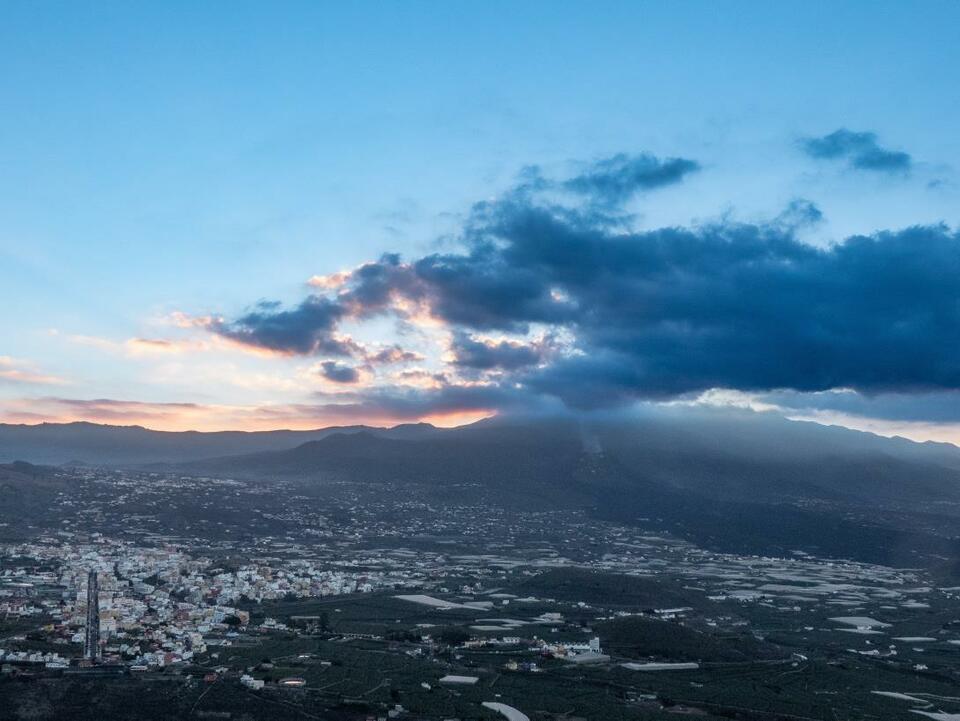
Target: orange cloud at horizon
175	417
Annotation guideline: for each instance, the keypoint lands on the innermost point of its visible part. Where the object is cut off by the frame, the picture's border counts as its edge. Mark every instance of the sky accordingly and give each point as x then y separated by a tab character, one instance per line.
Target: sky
291	215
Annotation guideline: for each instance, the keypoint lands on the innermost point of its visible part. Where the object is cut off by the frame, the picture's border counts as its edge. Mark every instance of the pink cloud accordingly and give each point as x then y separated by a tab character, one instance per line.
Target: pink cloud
13	370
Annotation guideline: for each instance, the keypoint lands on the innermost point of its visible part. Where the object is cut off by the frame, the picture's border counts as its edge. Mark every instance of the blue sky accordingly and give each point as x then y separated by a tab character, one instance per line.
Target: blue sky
164	163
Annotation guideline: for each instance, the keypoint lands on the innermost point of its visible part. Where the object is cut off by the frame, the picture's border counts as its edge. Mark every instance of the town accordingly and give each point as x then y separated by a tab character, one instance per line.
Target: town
137	575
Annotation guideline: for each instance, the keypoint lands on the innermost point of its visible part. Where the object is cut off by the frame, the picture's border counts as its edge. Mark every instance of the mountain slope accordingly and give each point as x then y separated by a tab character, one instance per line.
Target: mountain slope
730	457
26	492
737	483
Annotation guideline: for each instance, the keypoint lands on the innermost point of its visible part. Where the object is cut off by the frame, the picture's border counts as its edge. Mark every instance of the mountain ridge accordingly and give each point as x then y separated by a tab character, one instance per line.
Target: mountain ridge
82	442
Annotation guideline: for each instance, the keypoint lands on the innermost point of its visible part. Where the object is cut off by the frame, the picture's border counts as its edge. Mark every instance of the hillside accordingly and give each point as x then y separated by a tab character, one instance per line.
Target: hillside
27	491
736	483
730	457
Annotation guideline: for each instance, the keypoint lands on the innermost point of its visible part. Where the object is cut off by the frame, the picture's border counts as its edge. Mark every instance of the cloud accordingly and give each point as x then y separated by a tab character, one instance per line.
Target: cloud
391	285
391	355
614	180
329	282
860	150
104	410
440	408
309	328
932	406
800	213
339	373
485	354
14	370
653	314
420	378
677	310
920	417
750	307
138	347
158	345
443	403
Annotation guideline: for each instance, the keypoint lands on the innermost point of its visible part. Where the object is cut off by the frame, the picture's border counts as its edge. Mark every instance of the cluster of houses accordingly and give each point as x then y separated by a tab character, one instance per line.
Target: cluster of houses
158	605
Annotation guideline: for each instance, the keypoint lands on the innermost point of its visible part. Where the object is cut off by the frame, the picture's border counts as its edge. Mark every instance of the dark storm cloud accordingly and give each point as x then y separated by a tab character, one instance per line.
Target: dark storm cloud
860	149
338	372
374	285
483	290
659	313
305	329
672	311
479	354
675	310
615	180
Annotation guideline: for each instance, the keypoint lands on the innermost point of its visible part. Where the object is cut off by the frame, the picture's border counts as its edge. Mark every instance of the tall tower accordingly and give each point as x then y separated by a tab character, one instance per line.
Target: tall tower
91	644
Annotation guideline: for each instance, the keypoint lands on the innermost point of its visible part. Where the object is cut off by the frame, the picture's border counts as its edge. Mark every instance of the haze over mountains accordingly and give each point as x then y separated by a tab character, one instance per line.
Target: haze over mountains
739	482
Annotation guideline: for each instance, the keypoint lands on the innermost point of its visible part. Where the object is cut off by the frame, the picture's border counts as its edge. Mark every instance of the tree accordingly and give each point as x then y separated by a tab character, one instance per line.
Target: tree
454	635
